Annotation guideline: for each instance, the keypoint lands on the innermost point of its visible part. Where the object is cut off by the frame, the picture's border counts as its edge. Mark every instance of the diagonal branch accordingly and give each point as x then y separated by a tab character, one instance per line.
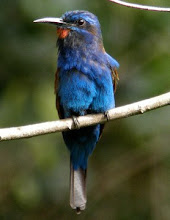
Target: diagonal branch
142	7
68	124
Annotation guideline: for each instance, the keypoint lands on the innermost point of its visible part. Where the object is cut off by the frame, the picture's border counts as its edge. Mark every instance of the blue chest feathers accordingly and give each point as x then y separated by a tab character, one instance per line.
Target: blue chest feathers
85	83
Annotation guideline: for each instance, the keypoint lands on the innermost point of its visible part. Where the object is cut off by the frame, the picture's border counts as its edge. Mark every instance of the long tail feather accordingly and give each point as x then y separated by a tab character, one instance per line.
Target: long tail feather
77	189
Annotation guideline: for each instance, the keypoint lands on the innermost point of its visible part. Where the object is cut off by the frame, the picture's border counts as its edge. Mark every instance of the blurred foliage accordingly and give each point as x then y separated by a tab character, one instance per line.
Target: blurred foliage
128	174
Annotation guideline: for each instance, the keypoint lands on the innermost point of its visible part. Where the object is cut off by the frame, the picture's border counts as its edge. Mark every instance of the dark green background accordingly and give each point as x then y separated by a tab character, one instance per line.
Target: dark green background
129	172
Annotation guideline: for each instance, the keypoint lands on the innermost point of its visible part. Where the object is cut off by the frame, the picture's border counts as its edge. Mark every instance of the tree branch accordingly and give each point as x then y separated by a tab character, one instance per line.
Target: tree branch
142	7
68	124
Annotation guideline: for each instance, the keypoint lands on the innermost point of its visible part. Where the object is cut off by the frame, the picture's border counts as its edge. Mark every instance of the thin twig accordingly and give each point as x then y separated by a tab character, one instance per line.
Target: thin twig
68	124
142	7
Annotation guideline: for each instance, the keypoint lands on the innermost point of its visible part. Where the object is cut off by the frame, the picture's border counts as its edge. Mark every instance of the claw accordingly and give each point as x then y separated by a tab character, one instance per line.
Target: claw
106	114
76	122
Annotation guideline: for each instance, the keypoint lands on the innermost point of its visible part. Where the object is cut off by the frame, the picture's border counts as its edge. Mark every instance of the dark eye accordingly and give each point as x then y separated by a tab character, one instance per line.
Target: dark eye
80	22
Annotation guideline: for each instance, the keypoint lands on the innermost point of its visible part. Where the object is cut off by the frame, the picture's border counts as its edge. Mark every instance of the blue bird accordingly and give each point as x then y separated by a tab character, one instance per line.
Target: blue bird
85	82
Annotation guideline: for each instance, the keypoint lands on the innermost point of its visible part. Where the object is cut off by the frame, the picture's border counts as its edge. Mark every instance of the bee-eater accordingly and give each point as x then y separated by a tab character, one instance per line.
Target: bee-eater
85	82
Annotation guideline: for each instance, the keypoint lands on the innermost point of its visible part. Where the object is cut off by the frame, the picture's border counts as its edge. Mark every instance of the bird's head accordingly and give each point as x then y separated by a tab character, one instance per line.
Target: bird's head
76	26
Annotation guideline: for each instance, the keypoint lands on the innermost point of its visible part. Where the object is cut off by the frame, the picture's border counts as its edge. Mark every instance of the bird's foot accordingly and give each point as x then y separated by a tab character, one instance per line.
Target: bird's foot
106	114
76	122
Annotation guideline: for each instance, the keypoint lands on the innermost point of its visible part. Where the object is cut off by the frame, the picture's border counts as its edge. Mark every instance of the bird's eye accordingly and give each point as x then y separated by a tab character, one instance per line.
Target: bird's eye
80	22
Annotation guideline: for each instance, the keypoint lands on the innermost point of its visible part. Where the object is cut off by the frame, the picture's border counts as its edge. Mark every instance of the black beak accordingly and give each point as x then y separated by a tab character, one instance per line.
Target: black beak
55	21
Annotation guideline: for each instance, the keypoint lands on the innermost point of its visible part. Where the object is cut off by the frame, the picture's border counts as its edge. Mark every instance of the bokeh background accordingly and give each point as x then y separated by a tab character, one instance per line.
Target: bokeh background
129	172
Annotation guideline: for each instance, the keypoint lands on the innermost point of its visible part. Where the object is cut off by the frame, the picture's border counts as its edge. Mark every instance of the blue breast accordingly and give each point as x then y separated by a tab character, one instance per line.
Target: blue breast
85	85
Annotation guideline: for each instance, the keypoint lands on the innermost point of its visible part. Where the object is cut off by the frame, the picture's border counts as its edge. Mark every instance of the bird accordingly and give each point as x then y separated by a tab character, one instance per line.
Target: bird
85	83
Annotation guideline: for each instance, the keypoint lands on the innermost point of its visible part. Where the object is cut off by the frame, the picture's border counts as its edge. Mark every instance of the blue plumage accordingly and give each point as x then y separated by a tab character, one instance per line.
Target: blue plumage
85	83
81	144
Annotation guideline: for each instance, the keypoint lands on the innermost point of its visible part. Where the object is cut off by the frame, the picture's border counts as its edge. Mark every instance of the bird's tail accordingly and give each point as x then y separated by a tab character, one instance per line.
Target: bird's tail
77	189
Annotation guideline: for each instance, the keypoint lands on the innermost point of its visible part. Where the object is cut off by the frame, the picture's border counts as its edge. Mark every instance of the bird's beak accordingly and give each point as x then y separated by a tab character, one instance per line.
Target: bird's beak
50	20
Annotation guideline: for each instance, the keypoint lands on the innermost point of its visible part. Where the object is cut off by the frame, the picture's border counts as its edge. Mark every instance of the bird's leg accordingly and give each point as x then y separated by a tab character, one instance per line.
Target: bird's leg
106	114
76	122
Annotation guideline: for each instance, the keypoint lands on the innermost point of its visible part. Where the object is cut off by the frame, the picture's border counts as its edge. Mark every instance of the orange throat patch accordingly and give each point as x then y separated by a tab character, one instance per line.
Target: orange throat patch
62	33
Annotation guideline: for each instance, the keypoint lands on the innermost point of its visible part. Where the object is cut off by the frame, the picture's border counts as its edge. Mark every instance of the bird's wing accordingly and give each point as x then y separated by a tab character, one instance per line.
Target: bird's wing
58	106
115	78
114	65
112	61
